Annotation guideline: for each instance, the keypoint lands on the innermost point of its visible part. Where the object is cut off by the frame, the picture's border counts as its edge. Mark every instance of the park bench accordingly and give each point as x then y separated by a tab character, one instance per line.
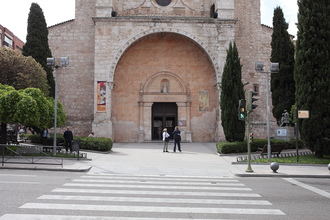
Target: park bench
276	149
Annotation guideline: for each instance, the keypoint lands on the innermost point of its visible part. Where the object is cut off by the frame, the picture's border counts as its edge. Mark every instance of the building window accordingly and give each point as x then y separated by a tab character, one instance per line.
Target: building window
8	42
256	88
163	2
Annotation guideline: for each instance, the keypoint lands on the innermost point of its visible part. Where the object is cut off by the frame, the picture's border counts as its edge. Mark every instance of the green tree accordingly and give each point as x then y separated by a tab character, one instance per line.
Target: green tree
28	107
312	73
282	83
231	92
21	72
37	42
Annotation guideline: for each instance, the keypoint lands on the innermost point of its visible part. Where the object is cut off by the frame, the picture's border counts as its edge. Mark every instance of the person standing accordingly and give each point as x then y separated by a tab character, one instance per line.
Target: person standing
68	137
44	136
166	139
177	138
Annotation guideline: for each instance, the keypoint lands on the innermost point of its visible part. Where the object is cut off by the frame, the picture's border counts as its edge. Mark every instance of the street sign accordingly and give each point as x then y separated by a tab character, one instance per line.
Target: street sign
303	114
282	132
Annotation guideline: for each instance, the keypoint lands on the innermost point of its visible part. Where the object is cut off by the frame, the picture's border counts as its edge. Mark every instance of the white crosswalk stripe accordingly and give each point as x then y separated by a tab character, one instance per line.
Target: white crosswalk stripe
95	185
67	217
108	196
145	182
151	209
164	193
156	200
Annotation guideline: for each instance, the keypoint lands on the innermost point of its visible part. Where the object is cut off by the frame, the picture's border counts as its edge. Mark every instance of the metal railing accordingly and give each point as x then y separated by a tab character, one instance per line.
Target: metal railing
27	154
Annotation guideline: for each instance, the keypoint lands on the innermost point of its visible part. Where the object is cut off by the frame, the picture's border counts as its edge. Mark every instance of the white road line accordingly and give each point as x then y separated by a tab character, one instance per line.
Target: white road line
231	183
68	217
160	179
158	187
308	187
113	208
19	182
163	176
167	193
17	175
156	200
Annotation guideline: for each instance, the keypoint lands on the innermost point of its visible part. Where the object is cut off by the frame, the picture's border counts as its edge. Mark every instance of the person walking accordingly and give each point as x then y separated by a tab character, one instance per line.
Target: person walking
166	139
68	137
177	138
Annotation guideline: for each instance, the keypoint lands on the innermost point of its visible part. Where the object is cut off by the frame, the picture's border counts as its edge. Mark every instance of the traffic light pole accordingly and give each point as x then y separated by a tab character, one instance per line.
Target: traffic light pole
267	115
55	112
247	132
249	168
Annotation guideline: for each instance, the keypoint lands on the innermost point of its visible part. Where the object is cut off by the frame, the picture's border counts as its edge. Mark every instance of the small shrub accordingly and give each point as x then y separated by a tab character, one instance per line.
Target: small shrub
95	143
241	147
87	143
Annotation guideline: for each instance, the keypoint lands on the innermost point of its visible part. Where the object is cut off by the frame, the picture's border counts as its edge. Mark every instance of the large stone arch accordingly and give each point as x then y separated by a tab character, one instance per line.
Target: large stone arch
192	78
123	48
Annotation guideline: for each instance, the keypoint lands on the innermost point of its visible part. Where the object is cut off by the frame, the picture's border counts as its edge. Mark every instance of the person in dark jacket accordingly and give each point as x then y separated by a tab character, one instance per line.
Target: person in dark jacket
177	138
68	137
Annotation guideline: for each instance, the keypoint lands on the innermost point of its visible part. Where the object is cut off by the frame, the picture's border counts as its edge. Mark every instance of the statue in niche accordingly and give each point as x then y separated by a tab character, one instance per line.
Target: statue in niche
164	86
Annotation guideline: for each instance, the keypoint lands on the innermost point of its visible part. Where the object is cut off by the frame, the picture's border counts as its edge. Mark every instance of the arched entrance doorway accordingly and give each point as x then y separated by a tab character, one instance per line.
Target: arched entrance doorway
158	69
164	115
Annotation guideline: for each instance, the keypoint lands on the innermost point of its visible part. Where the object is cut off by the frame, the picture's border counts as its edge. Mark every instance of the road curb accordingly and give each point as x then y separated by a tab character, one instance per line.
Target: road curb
283	175
48	169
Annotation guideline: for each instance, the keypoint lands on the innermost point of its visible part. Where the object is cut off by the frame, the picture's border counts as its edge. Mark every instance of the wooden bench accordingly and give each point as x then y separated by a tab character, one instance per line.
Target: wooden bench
276	149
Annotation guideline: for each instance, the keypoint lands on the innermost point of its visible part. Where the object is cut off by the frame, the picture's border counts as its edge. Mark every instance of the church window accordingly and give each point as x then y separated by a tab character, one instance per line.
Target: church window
164	86
163	2
256	88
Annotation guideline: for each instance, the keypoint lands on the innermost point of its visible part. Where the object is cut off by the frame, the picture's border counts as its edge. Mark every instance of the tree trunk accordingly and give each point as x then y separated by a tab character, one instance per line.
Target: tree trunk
3	133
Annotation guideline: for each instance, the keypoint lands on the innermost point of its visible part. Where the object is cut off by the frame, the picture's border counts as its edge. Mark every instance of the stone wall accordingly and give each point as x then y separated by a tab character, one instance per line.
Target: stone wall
75	39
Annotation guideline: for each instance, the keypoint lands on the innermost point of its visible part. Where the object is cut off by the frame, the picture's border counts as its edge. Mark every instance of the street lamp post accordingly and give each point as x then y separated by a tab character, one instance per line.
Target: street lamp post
274	68
56	63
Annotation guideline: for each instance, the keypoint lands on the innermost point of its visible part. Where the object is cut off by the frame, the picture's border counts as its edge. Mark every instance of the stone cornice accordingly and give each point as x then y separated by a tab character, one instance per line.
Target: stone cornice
163	19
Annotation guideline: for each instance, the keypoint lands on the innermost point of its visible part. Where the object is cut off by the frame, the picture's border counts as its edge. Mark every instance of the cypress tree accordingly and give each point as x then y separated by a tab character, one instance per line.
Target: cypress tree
37	42
232	92
312	73
282	83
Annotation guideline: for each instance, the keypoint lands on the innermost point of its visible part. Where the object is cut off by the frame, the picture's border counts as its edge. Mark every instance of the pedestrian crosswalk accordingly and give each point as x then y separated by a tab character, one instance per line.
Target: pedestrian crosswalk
107	197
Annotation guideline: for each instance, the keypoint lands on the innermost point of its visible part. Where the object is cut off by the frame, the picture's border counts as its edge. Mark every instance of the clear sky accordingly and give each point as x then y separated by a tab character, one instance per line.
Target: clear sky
14	13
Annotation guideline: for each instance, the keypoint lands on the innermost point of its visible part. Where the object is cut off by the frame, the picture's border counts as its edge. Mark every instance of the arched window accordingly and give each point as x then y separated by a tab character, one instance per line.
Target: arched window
164	86
163	2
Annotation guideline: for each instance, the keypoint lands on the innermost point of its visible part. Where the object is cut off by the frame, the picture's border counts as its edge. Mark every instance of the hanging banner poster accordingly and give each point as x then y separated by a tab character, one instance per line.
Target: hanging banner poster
101	96
203	100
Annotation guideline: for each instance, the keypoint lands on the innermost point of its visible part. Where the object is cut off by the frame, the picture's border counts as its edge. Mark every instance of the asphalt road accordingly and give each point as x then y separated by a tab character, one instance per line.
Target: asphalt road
62	195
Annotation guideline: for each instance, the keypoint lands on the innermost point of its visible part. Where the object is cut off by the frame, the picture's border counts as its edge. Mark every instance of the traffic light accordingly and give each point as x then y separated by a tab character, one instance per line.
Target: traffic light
242	109
251	137
251	100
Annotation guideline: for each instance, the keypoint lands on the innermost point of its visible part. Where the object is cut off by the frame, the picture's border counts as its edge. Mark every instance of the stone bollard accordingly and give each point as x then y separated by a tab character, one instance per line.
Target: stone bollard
274	166
329	166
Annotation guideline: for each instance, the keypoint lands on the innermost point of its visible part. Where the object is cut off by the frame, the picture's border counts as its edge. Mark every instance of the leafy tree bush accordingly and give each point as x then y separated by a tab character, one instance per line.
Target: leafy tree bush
28	107
231	92
21	72
37	42
312	73
282	83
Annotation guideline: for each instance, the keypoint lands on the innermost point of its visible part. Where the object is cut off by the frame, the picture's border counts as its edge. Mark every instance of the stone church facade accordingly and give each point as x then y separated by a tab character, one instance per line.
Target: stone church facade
137	66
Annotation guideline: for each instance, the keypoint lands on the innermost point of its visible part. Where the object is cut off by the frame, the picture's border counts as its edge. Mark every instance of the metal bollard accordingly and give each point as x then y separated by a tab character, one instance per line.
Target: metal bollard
274	166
